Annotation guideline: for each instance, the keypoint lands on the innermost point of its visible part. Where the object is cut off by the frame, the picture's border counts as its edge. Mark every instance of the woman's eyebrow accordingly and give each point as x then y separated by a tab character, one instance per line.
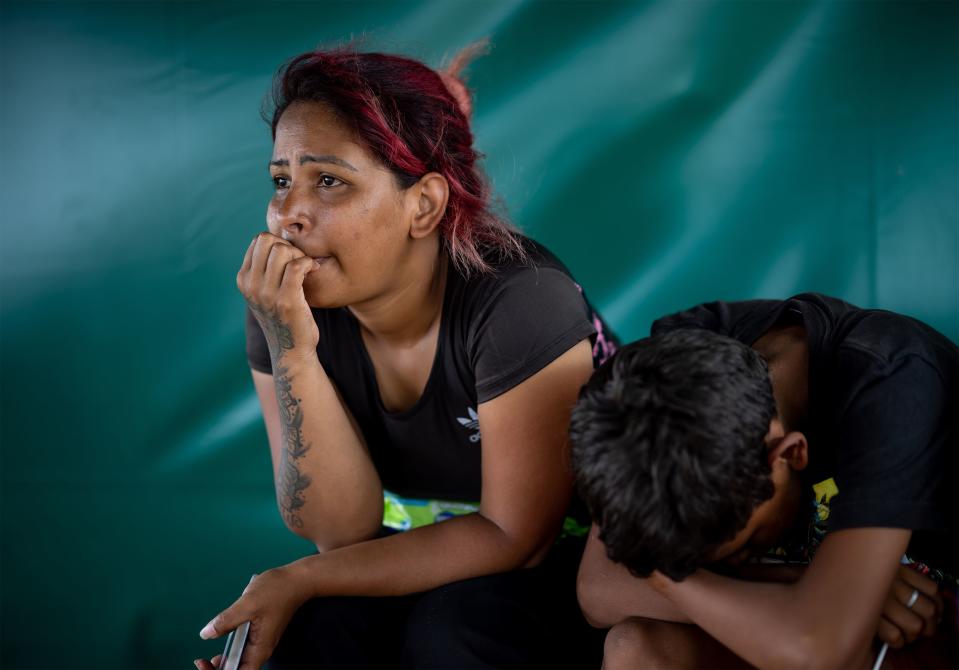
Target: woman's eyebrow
335	160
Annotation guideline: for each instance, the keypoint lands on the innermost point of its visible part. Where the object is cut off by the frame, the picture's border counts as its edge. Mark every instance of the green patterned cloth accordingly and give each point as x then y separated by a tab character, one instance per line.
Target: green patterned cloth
401	513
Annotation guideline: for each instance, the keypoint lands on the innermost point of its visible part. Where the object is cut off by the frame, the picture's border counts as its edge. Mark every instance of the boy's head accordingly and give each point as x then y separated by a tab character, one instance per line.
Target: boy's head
679	455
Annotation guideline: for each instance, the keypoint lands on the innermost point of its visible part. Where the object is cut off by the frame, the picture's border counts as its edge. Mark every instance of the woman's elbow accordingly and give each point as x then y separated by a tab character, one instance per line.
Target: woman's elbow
330	541
342	533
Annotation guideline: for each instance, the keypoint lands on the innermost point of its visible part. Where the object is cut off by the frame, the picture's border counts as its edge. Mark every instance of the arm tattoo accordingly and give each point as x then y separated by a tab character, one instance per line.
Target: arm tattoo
291	483
278	336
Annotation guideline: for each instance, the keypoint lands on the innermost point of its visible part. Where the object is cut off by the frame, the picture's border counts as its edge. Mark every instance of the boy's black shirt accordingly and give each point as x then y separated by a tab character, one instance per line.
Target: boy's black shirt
882	414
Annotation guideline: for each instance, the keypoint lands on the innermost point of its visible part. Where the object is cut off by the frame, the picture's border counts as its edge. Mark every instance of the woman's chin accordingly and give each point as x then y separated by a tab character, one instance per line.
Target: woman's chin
322	297
320	301
317	293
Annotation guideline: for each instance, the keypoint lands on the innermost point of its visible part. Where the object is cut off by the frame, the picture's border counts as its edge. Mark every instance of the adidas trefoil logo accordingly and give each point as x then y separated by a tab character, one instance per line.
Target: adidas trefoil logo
471	423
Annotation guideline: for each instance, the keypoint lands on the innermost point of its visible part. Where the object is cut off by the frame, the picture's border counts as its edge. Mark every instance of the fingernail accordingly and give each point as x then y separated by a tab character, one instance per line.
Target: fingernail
208	631
197	664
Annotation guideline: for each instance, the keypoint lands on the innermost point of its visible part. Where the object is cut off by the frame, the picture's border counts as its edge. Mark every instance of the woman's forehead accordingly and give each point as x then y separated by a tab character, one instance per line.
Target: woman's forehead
312	127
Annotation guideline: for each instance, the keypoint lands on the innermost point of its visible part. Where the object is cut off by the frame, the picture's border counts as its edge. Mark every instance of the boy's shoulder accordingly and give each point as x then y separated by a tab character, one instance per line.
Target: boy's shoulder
871	339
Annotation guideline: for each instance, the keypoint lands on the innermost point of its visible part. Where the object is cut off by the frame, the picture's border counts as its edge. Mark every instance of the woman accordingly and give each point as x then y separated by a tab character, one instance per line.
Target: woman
405	341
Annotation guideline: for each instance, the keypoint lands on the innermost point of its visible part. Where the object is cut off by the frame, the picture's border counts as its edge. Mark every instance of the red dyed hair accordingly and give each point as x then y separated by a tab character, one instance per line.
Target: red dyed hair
415	120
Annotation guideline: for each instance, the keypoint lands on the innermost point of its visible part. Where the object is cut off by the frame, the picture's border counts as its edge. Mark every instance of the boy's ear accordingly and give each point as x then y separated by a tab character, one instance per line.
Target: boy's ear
428	201
792	448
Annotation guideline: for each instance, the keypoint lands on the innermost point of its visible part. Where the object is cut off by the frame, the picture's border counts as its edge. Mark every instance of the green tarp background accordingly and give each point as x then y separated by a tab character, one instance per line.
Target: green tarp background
669	152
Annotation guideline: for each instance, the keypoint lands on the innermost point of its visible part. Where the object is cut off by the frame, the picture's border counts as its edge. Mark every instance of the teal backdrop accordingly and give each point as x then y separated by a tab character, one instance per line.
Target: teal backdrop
669	152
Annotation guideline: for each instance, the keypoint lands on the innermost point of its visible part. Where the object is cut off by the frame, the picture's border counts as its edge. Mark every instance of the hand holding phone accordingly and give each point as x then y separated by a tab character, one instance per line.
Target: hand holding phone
235	642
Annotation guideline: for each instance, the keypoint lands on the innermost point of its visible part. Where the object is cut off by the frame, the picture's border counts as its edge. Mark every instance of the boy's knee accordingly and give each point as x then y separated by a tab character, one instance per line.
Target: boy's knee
648	643
628	645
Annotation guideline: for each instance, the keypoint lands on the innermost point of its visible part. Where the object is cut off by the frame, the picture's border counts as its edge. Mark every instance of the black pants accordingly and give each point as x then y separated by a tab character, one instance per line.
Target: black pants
521	619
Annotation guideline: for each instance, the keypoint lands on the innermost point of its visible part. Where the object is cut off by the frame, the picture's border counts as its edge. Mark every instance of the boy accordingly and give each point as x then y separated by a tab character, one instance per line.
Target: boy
808	429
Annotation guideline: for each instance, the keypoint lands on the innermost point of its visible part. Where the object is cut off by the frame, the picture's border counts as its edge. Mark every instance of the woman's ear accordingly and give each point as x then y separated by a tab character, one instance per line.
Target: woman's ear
429	197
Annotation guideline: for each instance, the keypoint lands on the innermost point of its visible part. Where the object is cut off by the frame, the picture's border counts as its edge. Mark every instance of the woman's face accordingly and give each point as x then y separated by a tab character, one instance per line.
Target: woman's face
337	204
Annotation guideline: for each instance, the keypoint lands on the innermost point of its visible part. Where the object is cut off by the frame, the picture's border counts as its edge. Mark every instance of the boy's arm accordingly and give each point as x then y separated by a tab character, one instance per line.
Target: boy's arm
826	619
609	593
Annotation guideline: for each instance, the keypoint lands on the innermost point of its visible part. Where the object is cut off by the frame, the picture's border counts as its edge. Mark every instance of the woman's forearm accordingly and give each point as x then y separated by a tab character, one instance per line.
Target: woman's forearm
416	560
327	488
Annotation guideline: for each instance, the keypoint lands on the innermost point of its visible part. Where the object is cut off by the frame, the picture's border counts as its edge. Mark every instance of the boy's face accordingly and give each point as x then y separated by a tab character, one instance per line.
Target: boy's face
768	523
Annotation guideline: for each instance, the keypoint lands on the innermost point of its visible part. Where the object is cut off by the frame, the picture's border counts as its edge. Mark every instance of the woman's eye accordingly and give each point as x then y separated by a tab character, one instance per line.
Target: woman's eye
281	182
329	181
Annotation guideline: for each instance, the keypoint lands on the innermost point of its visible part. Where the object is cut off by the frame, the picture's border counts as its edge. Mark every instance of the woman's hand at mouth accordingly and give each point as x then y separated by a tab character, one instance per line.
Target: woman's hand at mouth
271	279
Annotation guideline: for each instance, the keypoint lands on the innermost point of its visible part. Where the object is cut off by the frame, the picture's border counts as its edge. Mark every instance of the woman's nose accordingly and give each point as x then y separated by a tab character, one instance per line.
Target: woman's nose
292	217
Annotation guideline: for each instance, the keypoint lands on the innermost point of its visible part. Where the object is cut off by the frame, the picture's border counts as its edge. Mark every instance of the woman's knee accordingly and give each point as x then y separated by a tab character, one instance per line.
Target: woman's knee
475	623
340	632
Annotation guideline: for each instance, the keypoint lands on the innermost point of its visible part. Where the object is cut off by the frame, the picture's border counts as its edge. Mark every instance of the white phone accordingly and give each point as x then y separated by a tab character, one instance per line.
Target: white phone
235	642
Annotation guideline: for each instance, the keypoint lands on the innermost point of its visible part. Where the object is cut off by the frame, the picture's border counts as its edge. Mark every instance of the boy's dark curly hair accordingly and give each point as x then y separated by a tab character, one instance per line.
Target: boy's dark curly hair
668	448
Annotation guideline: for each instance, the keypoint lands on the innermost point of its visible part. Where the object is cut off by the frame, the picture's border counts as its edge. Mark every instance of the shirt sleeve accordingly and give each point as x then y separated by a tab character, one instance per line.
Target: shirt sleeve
708	316
531	318
894	437
257	351
744	320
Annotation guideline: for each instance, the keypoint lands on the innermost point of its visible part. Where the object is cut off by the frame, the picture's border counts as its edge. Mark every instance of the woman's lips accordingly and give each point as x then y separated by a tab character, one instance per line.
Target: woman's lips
320	260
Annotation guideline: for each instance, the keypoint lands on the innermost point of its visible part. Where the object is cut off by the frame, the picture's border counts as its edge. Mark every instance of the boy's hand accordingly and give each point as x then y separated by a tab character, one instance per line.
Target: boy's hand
902	622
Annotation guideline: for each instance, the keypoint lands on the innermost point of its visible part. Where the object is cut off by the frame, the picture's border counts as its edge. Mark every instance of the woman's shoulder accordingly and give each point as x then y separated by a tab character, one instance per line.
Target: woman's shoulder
536	287
517	319
537	266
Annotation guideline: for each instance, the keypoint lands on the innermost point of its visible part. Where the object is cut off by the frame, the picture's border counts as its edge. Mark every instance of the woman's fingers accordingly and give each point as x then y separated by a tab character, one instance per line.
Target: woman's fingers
256	653
263	266
280	255
261	251
248	256
225	621
203	664
212	664
243	273
294	273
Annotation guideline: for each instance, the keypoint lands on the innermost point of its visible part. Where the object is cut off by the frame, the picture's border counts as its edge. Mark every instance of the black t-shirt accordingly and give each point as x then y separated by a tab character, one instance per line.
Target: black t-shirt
495	332
882	413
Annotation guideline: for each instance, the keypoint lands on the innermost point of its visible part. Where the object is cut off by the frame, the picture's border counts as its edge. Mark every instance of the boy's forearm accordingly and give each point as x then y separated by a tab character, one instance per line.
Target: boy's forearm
615	600
827	619
608	593
758	621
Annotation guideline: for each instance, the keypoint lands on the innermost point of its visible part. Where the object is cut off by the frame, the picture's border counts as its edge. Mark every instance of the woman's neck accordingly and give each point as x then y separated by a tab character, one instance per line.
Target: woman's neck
412	309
